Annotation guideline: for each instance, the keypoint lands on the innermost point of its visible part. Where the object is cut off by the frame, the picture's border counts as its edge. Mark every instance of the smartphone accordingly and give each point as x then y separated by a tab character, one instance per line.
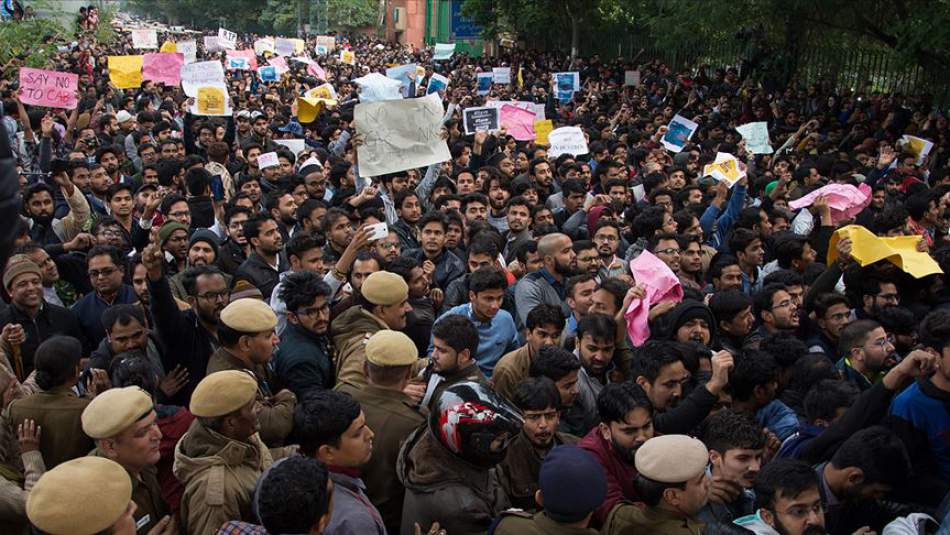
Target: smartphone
217	188
379	231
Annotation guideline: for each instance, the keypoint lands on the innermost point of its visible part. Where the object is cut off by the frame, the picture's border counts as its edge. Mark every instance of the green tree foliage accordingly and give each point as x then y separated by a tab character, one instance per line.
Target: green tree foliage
28	43
352	14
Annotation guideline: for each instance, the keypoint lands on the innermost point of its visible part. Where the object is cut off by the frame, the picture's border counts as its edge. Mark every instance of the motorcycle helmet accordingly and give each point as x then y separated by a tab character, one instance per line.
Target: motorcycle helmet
474	423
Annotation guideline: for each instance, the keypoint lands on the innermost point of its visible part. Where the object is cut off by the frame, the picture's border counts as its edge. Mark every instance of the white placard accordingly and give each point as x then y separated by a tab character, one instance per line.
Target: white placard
400	134
501	75
678	133
227	38
268	159
189	49
202	73
145	39
295	145
567	140
631	78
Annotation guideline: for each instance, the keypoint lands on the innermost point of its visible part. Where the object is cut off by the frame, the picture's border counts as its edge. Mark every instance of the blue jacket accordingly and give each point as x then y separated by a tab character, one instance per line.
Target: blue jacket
717	223
925	407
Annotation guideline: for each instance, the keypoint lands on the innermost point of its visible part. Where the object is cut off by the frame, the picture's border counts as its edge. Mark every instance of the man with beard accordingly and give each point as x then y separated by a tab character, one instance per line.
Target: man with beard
735	443
303	361
498	190
864	347
606	238
108	158
106	269
547	285
38	201
519	226
788	499
482	252
452	360
121	207
188	336
876	294
544	327
127	330
266	262
587	259
691	262
235	248
539	402
440	264
281	207
660	370
776	310
202	250
690	321
626	423
122	422
173	237
832	314
338	230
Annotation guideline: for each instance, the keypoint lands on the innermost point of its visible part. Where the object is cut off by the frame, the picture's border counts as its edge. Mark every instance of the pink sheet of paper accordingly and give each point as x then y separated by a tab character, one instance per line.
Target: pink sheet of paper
316	70
279	63
164	67
845	200
52	89
660	284
249	54
520	122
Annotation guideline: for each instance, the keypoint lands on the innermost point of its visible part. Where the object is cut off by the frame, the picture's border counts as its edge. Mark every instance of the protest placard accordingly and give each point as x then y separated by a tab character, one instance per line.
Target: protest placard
313	68
238	64
169	47
279	63
268	73
203	73
299	45
404	74
125	72
542	130
501	75
327	41
534	107
226	38
476	119
163	67
375	87
348	57
631	78
48	88
484	80
295	146
567	140
725	169
678	133
321	50
211	100
518	121
268	159
250	59
144	39
437	83
264	44
213	44
189	49
917	146
399	135
443	51
309	105
756	136
283	47
565	84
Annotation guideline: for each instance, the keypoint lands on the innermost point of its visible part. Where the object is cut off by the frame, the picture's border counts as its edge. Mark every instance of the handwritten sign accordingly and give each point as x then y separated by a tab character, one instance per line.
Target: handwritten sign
144	39
226	38
567	140
125	72
199	74
189	49
756	136
283	47
268	159
163	67
212	100
477	119
48	88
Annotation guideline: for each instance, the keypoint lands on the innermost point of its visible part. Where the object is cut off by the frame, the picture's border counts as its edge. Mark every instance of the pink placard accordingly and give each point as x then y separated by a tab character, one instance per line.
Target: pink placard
520	122
164	67
52	89
249	54
279	63
316	70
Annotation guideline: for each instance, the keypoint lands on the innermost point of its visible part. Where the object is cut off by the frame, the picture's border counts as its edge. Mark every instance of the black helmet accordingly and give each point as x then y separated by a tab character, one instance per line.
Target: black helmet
473	422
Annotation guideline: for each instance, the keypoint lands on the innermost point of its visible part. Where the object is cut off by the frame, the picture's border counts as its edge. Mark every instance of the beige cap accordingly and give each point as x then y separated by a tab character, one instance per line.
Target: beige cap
114	410
391	348
80	497
385	288
249	316
672	458
222	393
19	264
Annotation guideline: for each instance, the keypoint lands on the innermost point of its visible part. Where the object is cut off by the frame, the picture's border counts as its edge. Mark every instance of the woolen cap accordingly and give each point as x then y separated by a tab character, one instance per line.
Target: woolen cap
80	497
672	458
114	410
391	348
385	288
222	393
572	484
168	228
249	316
19	265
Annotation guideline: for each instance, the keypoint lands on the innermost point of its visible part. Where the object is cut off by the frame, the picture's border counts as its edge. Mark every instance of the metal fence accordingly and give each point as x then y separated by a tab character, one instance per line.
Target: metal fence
876	69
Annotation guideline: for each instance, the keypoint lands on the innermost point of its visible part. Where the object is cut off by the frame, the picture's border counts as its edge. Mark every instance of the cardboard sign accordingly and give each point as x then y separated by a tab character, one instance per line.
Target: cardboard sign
249	63
227	38
484	82
443	51
125	72
189	49
48	88
678	133
724	169
501	75
542	129
328	42
477	119
437	83
567	140
199	74
145	39
212	100
266	160
163	67
283	47
400	135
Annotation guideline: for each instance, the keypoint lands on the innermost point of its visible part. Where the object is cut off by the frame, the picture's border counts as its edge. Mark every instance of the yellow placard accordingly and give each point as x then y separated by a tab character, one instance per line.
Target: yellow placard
727	170
867	248
299	45
542	128
125	72
169	46
210	101
309	107
323	91
348	57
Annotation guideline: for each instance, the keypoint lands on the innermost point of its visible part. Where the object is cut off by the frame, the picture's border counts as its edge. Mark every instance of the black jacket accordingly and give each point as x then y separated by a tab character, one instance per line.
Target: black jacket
52	320
302	361
259	273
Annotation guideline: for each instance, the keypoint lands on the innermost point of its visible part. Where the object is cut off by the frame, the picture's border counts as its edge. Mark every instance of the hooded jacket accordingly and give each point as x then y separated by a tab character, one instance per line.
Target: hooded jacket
349	332
440	487
219	475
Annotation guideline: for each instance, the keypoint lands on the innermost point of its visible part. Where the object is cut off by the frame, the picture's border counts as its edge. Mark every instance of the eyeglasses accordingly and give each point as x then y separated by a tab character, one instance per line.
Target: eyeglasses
214	296
180	213
669	251
784	304
313	311
110	232
105	272
890	298
884	342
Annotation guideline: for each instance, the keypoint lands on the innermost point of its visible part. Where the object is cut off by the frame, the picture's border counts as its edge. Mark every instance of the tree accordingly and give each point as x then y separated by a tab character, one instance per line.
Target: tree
29	43
348	15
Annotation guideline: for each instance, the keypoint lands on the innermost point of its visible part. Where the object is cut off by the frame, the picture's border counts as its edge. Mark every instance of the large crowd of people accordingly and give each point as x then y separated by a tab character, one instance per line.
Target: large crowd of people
613	342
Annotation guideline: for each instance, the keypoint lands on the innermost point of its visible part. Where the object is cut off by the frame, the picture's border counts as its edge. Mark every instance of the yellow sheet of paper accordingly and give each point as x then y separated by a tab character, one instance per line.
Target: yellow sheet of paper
309	107
867	248
169	46
299	45
348	57
210	101
125	72
542	129
321	92
727	171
